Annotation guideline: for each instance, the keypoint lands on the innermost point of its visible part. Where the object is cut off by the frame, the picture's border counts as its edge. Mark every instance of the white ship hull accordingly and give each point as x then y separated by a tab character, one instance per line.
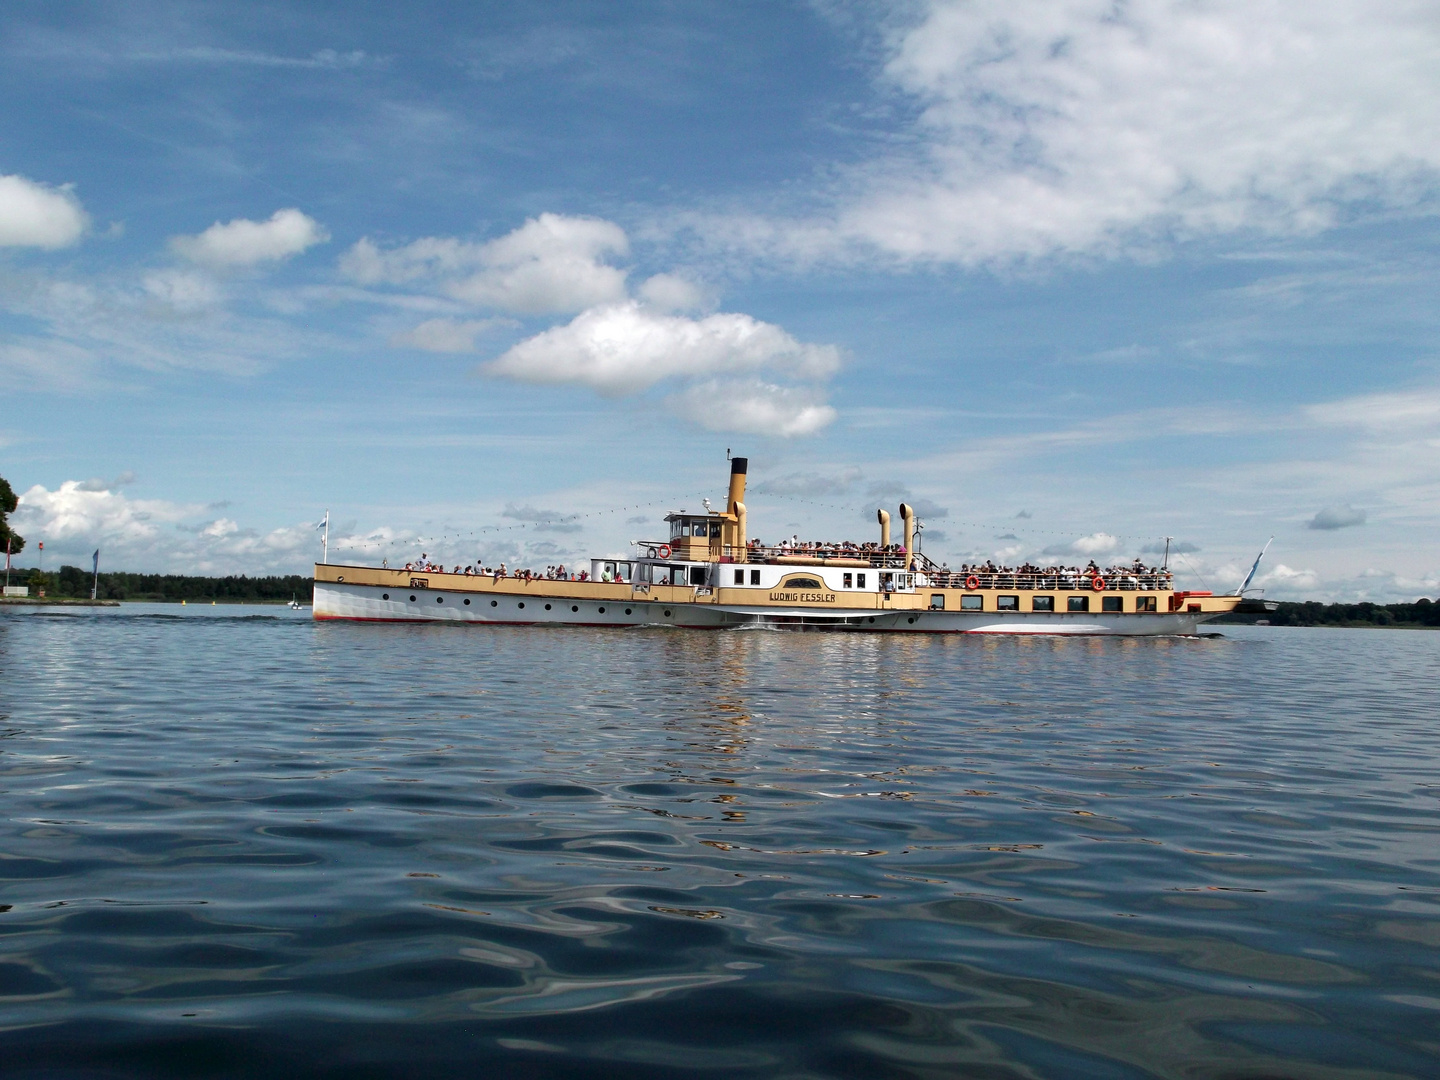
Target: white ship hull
366	603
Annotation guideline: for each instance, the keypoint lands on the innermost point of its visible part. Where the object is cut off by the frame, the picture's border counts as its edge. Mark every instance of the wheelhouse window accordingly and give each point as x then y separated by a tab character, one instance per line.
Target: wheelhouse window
1007	603
1077	603
972	602
937	601
1042	603
1112	603
1145	603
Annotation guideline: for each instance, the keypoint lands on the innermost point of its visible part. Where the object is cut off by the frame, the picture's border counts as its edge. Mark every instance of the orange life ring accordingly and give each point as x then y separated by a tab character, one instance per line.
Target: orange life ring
664	551
1097	583
972	582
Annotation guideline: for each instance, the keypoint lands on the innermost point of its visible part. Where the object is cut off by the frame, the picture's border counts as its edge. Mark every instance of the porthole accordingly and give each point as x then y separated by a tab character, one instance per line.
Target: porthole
467	601
667	614
872	618
496	603
574	607
910	619
339	577
602	611
627	611
385	596
547	607
522	603
412	598
439	599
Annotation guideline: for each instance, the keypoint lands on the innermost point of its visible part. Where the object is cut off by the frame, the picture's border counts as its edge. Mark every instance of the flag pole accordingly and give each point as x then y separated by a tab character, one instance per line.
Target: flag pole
326	557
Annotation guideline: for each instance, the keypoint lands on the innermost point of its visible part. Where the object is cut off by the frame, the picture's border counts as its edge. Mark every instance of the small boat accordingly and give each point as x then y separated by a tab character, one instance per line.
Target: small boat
294	604
709	574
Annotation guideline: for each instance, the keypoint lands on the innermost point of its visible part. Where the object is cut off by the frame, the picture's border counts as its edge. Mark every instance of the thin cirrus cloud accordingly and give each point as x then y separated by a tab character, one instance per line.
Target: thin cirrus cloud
243	243
551	265
446	335
37	215
1051	129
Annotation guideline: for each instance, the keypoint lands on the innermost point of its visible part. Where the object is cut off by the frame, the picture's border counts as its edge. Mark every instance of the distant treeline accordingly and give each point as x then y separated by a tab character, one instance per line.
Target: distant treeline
1313	613
75	581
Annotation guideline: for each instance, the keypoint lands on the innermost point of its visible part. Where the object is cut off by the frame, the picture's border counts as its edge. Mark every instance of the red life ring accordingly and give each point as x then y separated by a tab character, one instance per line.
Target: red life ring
664	551
972	582
1097	583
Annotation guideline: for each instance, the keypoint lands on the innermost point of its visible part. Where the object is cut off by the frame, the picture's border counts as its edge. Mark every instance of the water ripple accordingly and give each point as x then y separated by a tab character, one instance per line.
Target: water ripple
238	842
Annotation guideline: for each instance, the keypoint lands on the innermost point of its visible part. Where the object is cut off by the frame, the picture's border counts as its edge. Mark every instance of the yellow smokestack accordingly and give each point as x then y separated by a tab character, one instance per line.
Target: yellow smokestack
883	516
908	515
738	468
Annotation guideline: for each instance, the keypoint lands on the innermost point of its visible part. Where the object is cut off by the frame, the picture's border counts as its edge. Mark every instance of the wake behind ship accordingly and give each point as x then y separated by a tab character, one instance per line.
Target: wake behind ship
708	575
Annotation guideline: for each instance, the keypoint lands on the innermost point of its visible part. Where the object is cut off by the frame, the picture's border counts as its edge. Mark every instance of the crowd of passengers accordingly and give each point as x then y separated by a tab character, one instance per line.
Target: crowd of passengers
551	573
942	576
1137	569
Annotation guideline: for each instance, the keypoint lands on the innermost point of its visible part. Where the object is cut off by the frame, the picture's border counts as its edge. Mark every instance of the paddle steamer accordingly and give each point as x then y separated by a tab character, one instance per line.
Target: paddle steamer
708	574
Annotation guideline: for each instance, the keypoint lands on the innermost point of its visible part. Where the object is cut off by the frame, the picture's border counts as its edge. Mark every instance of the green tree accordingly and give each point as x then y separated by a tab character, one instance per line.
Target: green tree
8	502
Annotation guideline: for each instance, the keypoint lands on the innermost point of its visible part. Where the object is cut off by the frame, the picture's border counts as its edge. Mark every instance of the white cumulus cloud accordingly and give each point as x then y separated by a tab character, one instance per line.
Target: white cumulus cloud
37	215
755	408
623	348
155	534
553	264
241	242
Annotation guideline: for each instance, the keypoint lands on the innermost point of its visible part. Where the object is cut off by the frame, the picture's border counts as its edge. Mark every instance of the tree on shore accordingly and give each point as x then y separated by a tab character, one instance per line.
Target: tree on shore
8	503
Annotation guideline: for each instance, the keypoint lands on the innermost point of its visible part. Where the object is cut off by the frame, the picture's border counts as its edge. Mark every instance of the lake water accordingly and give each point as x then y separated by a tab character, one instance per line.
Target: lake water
237	843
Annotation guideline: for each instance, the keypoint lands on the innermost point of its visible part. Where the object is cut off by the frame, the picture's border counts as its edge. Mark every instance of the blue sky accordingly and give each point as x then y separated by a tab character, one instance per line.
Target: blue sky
505	281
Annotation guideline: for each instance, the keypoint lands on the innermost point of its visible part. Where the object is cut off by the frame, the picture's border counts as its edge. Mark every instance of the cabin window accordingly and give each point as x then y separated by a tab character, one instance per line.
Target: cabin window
803	583
607	572
1007	603
697	575
937	601
1112	603
1042	603
974	602
754	577
715	530
849	581
739	577
1145	603
859	581
643	573
1077	603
